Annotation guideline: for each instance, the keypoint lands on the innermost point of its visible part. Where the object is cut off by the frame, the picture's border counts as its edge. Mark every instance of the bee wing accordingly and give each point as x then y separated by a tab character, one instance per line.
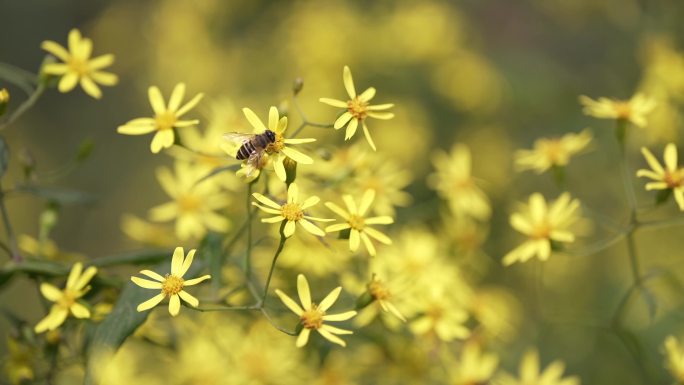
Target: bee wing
253	162
238	137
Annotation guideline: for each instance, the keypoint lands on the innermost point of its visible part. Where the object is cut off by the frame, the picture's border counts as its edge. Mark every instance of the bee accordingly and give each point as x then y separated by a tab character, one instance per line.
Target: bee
252	147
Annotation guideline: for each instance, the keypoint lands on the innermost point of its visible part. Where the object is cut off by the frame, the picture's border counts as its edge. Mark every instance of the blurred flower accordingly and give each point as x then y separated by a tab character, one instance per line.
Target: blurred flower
18	364
473	367
669	178
46	248
453	181
292	212
388	179
171	285
381	293
358	223
530	373
439	314
145	232
675	359
357	109
313	316
543	225
78	66
4	100
193	204
554	152
167	117
633	110
66	300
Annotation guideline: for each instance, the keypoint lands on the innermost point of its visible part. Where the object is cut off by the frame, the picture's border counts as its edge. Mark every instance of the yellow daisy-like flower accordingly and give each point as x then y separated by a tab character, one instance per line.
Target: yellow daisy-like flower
454	182
543	225
675	359
278	150
473	367
78	67
313	316
531	373
167	117
549	152
358	223
171	285
671	177
291	211
193	204
381	293
357	109
66	301
633	110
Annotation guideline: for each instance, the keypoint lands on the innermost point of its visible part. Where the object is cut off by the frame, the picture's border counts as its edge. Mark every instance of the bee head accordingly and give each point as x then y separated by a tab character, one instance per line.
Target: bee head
270	135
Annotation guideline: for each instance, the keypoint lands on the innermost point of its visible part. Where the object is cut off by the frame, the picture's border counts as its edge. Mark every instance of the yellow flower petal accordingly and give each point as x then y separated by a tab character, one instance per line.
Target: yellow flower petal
195	281
68	82
176	97
330	299
303	291
348	82
187	297
156	100
303	337
150	303
50	292
289	302
174	305
147	284
79	311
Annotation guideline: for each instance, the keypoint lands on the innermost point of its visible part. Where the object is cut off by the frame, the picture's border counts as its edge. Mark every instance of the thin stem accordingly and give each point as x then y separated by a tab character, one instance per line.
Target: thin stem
281	245
633	259
275	325
224	308
13	247
597	246
248	253
23	107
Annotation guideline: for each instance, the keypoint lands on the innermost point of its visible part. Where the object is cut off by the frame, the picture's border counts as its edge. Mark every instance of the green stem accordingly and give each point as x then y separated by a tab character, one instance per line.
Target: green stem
14	248
281	245
248	253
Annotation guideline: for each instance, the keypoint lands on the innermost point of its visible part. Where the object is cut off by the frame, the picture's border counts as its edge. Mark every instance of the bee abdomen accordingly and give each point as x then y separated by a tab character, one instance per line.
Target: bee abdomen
245	151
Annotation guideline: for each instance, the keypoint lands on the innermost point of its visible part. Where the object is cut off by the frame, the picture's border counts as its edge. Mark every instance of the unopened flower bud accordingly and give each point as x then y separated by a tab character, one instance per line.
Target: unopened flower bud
297	85
290	170
4	100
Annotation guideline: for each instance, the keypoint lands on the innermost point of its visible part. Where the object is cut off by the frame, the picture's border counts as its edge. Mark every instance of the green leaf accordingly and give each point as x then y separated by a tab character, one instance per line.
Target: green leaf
58	195
32	267
132	258
4	156
19	77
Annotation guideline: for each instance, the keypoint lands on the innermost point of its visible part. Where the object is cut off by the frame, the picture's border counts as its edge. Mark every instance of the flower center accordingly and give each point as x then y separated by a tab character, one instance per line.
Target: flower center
378	290
188	203
277	144
165	120
357	222
673	178
292	211
623	110
172	285
79	66
358	108
312	318
68	299
554	151
542	231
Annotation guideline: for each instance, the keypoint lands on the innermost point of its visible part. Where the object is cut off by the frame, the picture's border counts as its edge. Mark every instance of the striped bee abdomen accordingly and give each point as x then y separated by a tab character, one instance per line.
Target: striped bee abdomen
256	143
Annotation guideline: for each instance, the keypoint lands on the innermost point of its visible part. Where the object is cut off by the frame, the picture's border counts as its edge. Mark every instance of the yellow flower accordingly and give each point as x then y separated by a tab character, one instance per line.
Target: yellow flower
548	152
543	225
381	293
358	223
145	232
78	66
442	315
66	301
45	248
669	178
454	182
19	361
313	316
530	373
473	367
278	151
633	110
291	211
357	109
171	285
675	359
193	204
167	117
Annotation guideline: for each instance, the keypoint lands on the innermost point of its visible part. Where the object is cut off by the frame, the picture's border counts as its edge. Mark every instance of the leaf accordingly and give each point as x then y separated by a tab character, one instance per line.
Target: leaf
4	156
19	77
216	171
58	195
32	267
132	258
